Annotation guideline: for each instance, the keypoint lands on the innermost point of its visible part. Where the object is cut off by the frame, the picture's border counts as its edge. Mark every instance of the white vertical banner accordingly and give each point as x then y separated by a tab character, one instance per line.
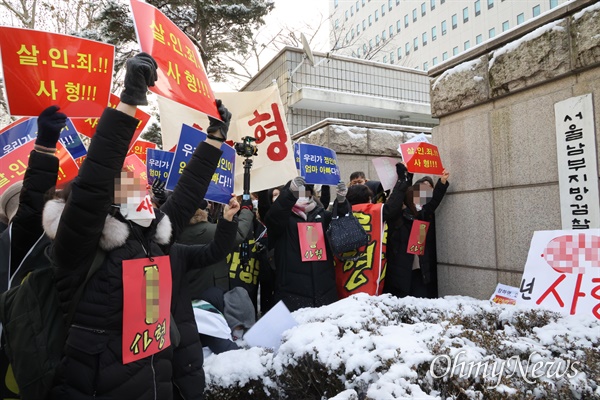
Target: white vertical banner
259	115
577	163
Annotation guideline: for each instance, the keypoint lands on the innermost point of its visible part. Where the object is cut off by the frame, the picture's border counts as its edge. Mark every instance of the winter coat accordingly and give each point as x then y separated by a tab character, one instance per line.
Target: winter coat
400	263
93	362
217	274
22	244
299	284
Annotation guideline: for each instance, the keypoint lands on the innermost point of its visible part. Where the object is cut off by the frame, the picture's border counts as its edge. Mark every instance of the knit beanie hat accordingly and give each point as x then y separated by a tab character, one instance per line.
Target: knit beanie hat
9	201
239	310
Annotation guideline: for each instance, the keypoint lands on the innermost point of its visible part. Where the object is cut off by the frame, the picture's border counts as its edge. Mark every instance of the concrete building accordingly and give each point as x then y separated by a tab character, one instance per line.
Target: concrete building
499	137
359	108
422	34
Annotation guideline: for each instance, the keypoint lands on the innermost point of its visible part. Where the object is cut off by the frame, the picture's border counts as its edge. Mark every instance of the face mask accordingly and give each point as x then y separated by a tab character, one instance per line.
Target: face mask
138	210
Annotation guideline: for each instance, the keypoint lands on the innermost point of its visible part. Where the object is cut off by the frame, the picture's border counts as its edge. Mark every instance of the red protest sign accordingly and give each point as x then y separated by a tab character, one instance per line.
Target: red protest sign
416	240
87	126
312	241
42	69
421	158
181	75
135	165
146	307
139	149
14	164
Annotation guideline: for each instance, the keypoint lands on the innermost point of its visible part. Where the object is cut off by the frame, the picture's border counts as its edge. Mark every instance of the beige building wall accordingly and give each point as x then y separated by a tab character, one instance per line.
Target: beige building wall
498	139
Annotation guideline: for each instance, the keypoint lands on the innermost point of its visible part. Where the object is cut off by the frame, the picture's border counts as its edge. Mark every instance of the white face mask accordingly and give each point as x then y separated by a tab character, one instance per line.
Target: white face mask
138	210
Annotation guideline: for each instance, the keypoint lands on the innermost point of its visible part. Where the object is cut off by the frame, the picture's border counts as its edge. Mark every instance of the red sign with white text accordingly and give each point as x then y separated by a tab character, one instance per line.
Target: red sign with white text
181	74
14	164
139	149
42	69
422	158
147	288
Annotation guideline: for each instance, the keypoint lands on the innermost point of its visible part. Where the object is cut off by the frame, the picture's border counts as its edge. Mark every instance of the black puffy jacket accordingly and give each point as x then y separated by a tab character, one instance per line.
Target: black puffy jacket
93	363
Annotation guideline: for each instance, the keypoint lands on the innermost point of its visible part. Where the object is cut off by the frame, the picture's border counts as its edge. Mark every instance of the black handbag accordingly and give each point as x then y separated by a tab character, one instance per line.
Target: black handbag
346	234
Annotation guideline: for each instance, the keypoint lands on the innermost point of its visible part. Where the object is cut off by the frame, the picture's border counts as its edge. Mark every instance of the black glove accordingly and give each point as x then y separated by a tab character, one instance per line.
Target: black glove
402	172
50	123
216	125
141	73
247	204
158	192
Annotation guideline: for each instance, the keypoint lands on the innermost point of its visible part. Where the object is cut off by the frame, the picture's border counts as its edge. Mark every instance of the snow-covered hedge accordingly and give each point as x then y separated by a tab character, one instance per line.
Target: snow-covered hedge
383	348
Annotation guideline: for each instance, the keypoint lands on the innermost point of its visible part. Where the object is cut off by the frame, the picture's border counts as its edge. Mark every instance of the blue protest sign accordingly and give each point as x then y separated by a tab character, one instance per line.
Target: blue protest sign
297	155
26	131
318	164
158	164
221	185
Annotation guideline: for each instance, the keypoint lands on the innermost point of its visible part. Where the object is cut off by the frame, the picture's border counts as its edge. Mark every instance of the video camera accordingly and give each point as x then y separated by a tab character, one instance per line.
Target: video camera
246	148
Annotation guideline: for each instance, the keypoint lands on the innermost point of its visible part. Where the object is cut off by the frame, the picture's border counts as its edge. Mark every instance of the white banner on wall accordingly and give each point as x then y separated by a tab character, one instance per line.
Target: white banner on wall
577	163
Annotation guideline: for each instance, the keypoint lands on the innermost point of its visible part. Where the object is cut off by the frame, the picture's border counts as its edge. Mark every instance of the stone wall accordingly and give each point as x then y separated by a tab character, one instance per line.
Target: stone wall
498	140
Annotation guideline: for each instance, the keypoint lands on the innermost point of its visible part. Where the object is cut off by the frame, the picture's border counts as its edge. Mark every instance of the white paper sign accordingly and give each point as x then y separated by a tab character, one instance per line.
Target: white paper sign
386	171
505	294
268	330
577	163
562	272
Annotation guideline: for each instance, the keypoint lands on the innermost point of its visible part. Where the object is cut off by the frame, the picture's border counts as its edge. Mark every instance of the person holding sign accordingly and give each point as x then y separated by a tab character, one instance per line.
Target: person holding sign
296	224
122	343
411	254
23	243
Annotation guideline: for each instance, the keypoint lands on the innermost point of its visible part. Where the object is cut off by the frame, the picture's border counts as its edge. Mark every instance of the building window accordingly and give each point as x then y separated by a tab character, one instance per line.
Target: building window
397	2
444	56
376	15
391	57
364	24
444	27
505	26
336	3
435	60
391	31
385	59
454	21
425	66
478	39
477	7
490	4
383	10
377	40
357	29
424	38
370	44
346	15
433	33
520	18
383	35
455	51
365	49
536	10
357	6
363	3
442	1
416	43
398	25
492	33
399	53
390	7
423	9
407	48
406	21
352	33
352	11
466	14
467	45
432	5
370	20
337	24
415	15
553	3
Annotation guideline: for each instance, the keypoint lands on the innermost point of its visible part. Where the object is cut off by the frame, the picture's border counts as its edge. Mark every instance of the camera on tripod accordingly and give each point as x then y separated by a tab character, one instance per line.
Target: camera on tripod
246	148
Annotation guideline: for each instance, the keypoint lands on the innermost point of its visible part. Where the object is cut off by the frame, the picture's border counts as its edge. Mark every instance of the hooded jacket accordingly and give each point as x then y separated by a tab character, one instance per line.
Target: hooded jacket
92	365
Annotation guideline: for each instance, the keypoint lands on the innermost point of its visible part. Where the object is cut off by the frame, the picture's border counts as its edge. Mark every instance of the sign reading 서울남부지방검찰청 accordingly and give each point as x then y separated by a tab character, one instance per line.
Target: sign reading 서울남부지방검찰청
42	69
562	272
181	74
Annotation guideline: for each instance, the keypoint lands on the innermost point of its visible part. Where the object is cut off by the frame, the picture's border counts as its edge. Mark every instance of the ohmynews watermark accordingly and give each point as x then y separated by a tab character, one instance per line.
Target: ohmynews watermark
494	370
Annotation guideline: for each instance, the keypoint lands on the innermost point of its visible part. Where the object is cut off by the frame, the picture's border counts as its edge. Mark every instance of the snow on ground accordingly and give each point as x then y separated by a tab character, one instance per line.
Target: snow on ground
366	347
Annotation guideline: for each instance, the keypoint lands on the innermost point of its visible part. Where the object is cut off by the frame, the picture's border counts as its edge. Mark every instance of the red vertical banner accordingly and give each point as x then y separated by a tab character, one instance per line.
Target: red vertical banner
147	288
416	240
41	69
181	74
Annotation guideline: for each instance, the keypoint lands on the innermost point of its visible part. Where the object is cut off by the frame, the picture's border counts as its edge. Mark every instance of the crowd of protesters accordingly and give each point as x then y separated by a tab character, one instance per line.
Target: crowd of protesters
101	214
